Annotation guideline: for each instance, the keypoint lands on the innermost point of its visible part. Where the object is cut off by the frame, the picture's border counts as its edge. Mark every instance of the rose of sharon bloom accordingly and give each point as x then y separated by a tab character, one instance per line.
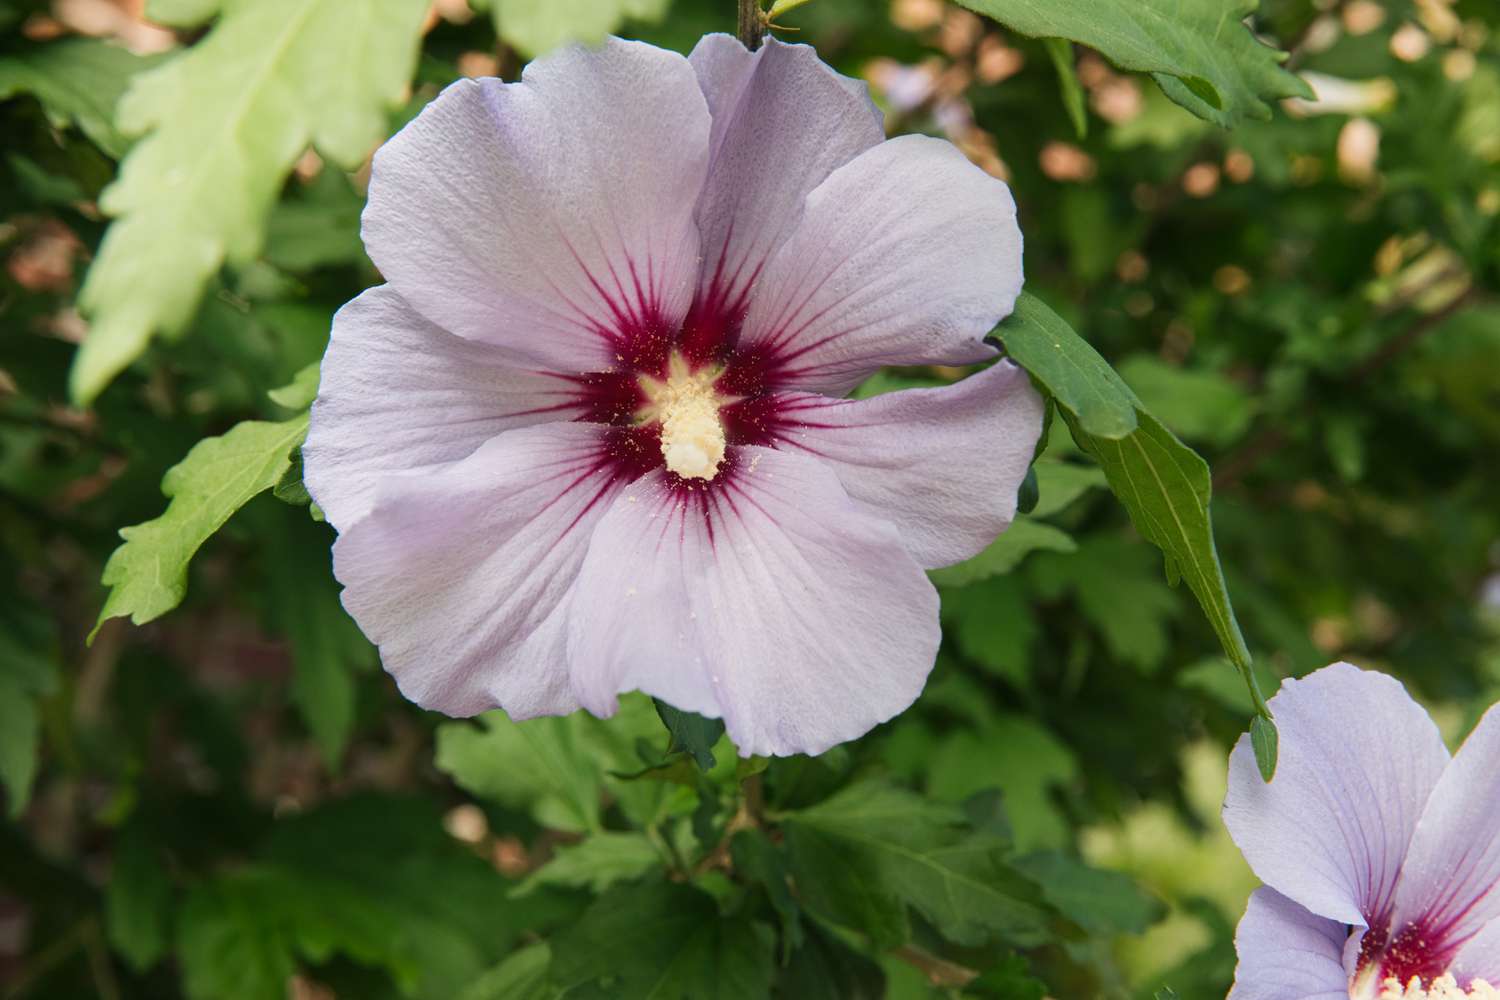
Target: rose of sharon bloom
589	439
1380	854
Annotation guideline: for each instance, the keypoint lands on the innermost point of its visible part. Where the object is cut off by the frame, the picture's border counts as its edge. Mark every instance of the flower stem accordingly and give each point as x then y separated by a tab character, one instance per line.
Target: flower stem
752	24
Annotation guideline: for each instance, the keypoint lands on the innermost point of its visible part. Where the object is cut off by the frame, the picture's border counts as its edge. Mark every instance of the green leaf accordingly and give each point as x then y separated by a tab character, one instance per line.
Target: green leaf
1165	487
1061	483
1101	902
29	670
20	734
1019	756
993	624
859	857
318	226
556	768
223	123
1163	484
78	81
1264	741
1199	405
522	976
1200	51
536	26
665	941
299	393
147	575
1011	979
1072	371
138	900
1023	537
691	733
327	647
596	863
541	765
372	878
825	966
1120	591
758	860
1061	52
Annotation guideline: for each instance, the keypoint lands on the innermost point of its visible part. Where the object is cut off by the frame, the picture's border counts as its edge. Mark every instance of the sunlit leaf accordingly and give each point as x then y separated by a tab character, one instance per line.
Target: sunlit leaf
222	125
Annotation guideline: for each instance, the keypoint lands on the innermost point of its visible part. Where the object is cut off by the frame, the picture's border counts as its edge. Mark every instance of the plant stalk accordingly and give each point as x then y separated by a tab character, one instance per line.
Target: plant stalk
751	29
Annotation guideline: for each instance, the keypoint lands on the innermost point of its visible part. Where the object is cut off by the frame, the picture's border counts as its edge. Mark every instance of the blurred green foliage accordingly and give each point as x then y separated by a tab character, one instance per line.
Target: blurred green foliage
229	802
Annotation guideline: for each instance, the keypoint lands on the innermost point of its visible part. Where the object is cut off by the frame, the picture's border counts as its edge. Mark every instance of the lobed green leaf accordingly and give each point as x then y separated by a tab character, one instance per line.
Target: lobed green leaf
1201	52
223	123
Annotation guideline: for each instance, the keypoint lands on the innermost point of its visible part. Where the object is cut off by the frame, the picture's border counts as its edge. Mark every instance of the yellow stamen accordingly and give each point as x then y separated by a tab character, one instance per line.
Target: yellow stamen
687	406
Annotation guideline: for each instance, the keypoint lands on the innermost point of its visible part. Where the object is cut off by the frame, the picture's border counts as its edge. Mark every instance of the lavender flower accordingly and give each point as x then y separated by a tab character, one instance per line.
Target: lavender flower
1381	856
588	438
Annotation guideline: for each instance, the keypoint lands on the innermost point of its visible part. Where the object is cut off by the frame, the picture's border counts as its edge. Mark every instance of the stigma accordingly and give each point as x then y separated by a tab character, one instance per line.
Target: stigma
1444	987
686	405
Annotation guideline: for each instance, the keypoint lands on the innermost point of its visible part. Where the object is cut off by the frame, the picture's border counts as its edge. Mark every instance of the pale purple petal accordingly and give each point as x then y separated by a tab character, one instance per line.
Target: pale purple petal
1479	958
1287	953
782	122
398	393
1450	884
461	573
908	254
944	465
1358	760
549	215
771	600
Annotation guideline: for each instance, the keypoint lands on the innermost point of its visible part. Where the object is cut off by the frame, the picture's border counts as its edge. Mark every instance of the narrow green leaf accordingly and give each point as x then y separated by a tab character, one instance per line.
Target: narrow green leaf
138	901
1061	51
691	733
147	575
1164	485
1200	51
1265	742
327	647
223	123
29	671
20	734
1073	372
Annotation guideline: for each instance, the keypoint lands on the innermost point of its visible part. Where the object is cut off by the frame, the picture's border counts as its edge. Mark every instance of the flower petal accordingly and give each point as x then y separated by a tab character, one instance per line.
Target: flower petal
1450	883
943	465
461	573
1358	760
1287	953
1480	957
398	393
908	254
782	122
769	599
550	217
